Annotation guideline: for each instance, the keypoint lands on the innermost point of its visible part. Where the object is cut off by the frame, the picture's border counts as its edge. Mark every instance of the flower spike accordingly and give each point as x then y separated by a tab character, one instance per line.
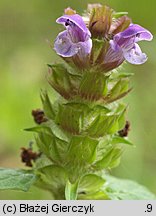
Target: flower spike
81	135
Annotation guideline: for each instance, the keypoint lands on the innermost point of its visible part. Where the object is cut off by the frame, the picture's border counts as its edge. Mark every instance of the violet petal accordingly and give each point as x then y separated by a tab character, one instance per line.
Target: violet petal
75	39
114	56
75	19
135	55
64	46
138	31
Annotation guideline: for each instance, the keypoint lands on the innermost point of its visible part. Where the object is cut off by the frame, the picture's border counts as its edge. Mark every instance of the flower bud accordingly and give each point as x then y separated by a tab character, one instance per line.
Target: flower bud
92	6
120	25
27	156
69	11
39	116
100	21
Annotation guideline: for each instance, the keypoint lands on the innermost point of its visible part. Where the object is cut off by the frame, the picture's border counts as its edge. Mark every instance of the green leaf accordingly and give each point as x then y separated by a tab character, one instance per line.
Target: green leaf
71	115
119	90
93	86
117	15
81	154
115	76
53	178
49	128
77	118
47	106
122	119
120	189
37	129
83	149
52	141
116	157
121	86
99	49
110	158
90	116
102	125
71	191
57	131
53	147
14	179
42	162
90	183
121	140
65	83
103	147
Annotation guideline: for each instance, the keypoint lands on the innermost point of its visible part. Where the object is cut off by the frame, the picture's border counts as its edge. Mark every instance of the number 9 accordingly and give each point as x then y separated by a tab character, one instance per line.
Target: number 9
149	208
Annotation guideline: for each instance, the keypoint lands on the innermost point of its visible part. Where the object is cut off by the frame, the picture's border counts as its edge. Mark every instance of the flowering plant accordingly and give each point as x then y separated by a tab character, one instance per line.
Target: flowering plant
82	135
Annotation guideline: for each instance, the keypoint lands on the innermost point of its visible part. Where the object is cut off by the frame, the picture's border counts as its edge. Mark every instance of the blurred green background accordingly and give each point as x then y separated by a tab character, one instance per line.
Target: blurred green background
25	29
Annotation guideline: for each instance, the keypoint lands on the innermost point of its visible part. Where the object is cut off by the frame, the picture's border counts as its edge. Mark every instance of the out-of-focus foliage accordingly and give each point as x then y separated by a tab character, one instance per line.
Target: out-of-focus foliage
15	179
25	29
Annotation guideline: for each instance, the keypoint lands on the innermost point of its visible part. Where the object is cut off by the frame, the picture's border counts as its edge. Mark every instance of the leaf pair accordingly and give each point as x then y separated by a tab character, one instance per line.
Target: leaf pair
90	186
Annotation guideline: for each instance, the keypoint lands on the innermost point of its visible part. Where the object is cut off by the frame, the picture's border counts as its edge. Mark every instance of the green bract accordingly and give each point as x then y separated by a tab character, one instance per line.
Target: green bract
80	138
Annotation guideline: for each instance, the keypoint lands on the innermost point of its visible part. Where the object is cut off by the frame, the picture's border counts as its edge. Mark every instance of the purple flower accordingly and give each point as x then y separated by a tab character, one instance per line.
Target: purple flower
124	45
75	39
